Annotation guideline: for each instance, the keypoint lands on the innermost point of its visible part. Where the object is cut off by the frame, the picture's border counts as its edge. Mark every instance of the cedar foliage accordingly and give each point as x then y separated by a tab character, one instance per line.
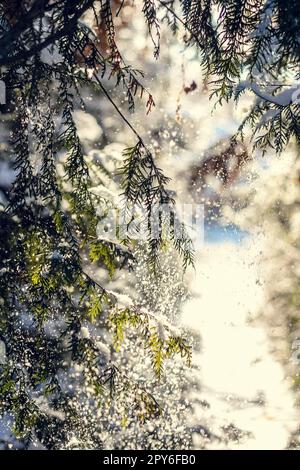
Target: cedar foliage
42	276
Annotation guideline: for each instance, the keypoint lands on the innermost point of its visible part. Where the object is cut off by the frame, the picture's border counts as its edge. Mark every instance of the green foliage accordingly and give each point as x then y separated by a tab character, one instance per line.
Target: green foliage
248	44
113	256
158	339
49	223
96	305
